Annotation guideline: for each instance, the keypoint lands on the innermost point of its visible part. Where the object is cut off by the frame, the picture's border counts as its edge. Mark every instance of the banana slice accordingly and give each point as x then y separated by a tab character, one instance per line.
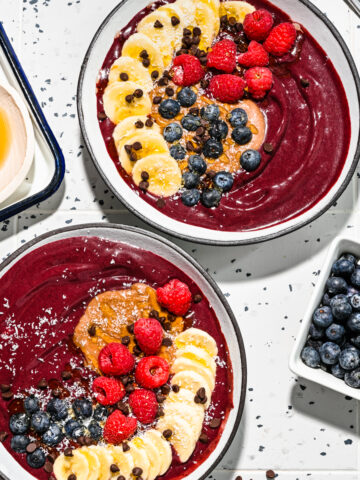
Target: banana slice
139	42
181	364
198	338
123	460
164	174
93	462
66	466
187	8
185	397
193	416
153	455
213	4
192	381
237	9
117	108
105	460
151	143
158	27
162	446
184	15
126	128
182	438
208	22
135	71
198	355
140	457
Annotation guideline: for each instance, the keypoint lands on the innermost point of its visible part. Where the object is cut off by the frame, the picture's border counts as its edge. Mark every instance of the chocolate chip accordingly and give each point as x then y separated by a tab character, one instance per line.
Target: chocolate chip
31	447
195	51
129	388
88	441
160	412
128	149
114	468
175	388
66	375
143	186
224	20
163	81
123	408
162	319
167	342
125	447
204	438
304	82
101	116
154	314
239	27
137	471
270	474
160	398
133	156
239	477
124	77
167	326
130	328
197	298
81	440
5	387
203	60
204	84
42	384
194	111
157	100
121	477
201	392
48	467
165	389
203	400
56	393
186	32
160	202
196	32
210	173
146	62
3	436
92	331
197	139
167	433
268	148
174	21
71	477
158	24
197	399
232	21
169	91
68	452
149	123
189	146
196	40
144	54
7	395
138	93
167	74
154	74
171	317
50	458
137	146
215	423
145	175
186	42
200	131
129	98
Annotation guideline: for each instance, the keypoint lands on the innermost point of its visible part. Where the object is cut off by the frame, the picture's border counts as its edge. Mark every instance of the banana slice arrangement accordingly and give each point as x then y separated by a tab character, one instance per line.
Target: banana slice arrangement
183	415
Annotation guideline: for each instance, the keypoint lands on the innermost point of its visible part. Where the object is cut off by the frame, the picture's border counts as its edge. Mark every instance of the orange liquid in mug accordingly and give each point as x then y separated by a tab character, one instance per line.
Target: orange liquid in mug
5	136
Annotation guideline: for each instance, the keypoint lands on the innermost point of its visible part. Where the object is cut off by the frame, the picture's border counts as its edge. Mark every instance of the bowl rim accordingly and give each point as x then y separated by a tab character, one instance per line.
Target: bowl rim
259	239
85	226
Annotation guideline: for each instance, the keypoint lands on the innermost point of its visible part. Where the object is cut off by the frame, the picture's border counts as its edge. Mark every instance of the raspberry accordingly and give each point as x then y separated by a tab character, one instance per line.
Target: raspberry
281	39
175	296
144	405
149	334
227	88
259	81
115	359
257	25
152	372
187	70
256	56
223	56
119	428
108	390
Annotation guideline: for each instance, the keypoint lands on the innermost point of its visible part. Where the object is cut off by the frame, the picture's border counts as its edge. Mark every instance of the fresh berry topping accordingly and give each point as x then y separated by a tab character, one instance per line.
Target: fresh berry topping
224	181
238	118
19	423
100	413
169	108
177	151
152	372
259	81
191	122
144	405
187	70
241	135
108	390
197	164
210	197
71	425
36	459
187	97
40	421
219	130
256	56
190	197
31	405
95	430
82	407
115	359
213	149
257	25
190	179
227	88
223	56
250	160
57	409
210	112
19	443
149	334
119	428
175	296
53	435
172	132
281	39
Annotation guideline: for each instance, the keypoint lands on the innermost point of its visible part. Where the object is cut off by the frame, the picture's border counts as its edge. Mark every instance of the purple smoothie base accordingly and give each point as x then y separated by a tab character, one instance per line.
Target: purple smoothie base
308	127
54	284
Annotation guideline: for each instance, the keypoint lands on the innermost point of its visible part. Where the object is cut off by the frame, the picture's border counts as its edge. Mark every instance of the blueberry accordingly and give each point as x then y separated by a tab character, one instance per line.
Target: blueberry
172	132
241	135
341	310
356	341
31	405
343	266
355	278
53	435
210	197
314	343
315	332
353	323
210	112
191	122
57	409
326	299
101	413
335	333
197	164
338	299
169	108
71	424
224	181
78	432
349	359
336	285
82	407
350	257
238	118
213	149
219	130
40	422
329	353
178	152
352	379
337	371
36	459
191	179
19	423
351	291
19	443
190	197
250	160
186	97
322	317
95	430
310	357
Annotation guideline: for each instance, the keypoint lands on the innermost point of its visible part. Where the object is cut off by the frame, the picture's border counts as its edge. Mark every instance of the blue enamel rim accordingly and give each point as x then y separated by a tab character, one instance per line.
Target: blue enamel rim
44	127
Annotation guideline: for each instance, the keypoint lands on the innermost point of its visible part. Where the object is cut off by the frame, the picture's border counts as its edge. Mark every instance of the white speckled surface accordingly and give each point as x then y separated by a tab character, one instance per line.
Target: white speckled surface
296	428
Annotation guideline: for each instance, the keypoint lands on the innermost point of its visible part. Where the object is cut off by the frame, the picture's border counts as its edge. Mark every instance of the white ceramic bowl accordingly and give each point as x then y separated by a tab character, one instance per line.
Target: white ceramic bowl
165	249
338	247
301	11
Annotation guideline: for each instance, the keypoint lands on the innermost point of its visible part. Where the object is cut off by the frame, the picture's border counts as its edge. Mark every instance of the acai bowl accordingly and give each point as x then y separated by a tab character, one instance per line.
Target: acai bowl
226	135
